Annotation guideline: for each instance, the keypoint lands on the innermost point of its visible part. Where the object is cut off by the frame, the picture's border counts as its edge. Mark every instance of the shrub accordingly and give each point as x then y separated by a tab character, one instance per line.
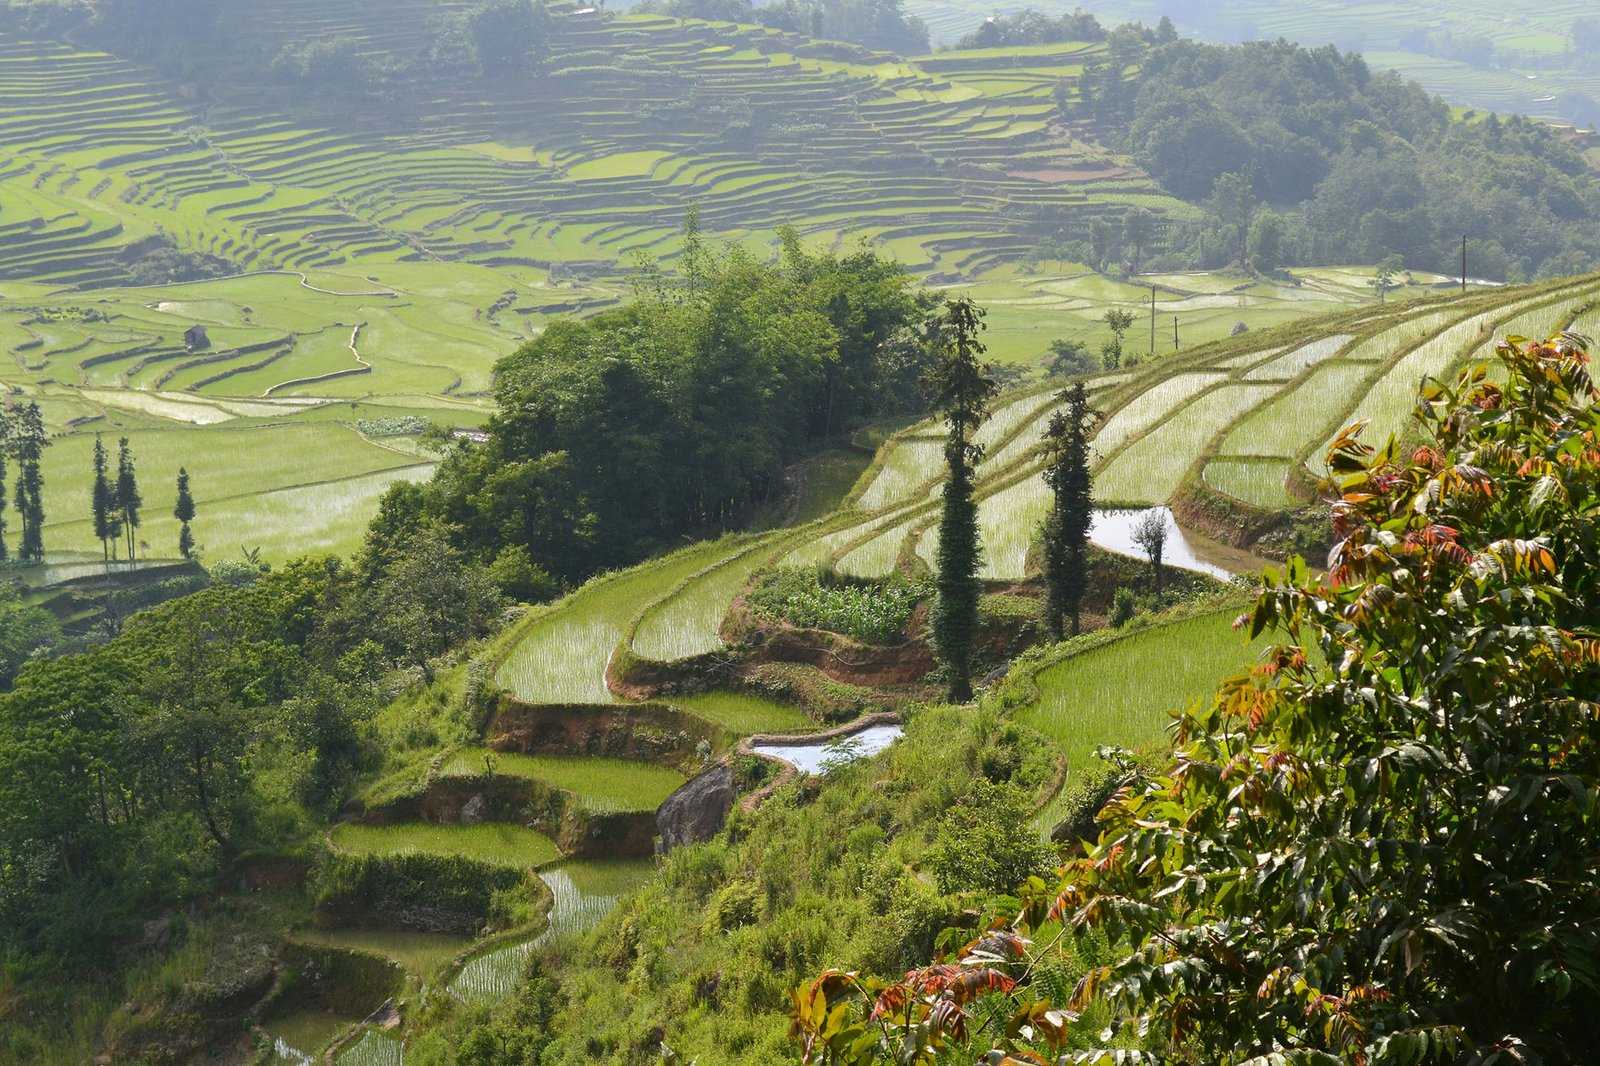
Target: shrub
986	842
1124	604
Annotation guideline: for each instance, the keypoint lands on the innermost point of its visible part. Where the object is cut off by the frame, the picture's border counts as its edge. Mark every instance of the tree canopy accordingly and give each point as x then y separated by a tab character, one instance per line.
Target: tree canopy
677	414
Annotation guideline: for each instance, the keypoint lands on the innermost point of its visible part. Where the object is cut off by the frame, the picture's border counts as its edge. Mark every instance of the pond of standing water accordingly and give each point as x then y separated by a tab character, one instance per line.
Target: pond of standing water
1113	531
814	756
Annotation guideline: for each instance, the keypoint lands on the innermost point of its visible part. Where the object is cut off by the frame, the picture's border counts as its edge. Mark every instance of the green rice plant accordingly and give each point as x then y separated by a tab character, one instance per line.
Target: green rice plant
742	714
820	550
1151	469
1407	332
1289	422
1008	417
1388	404
1233	362
875	559
601	785
1257	480
561	655
689	621
374	1048
1292	363
1151	407
501	845
1124	692
908	465
1008	524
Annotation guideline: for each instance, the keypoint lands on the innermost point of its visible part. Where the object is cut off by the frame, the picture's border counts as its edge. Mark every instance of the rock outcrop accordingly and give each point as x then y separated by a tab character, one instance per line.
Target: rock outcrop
696	811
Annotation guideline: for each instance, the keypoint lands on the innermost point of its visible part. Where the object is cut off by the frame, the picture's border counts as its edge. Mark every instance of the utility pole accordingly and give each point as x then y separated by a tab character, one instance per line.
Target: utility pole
1463	264
1174	332
1152	320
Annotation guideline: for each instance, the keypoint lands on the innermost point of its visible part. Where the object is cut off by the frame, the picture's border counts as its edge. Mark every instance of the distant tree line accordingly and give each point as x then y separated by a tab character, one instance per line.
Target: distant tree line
675	416
1031	27
1301	156
881	24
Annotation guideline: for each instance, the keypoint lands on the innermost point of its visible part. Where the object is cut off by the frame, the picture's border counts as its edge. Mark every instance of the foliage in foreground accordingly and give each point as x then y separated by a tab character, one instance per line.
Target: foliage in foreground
1388	859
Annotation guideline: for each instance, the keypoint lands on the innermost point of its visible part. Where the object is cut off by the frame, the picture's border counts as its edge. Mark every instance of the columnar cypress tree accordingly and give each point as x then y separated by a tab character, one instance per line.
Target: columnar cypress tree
962	391
5	448
28	444
1066	530
103	502
184	512
128	500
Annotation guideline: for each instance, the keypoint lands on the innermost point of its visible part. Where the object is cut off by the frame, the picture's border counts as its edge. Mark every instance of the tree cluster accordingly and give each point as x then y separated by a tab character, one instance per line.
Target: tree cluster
616	436
230	719
23	441
1030	27
962	389
880	24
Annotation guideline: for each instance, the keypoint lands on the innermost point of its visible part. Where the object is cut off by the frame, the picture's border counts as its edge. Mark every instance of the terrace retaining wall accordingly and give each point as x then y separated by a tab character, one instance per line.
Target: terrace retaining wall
648	732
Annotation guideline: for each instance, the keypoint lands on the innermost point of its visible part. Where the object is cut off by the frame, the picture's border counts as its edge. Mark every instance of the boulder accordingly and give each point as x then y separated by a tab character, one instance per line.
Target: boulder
696	811
474	810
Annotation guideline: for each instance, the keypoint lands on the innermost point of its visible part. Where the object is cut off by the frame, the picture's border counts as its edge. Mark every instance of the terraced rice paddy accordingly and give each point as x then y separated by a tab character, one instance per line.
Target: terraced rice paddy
422	954
601	785
910	466
1124	692
562	655
687	622
1008	524
373	1048
741	714
1151	469
503	845
1257	480
584	893
297	1038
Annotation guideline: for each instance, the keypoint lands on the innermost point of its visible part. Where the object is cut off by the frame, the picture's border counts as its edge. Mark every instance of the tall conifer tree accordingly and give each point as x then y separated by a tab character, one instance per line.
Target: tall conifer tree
103	502
962	390
184	512
1066	530
5	449
28	444
128	500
